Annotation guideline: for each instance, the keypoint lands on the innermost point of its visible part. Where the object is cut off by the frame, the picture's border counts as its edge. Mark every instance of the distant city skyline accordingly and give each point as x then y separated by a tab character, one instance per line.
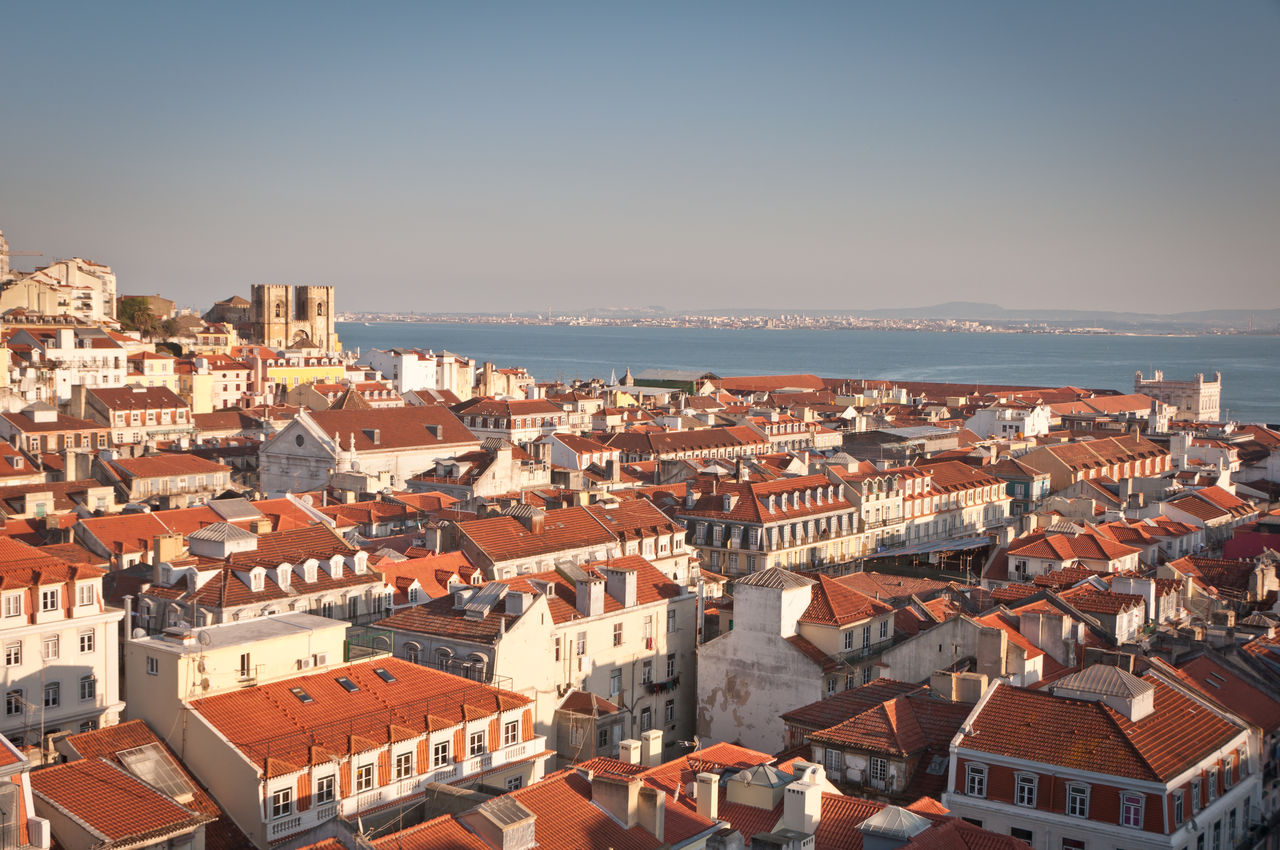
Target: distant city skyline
806	157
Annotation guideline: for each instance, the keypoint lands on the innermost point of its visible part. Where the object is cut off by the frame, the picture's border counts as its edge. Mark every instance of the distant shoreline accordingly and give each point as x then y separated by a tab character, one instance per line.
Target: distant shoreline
728	323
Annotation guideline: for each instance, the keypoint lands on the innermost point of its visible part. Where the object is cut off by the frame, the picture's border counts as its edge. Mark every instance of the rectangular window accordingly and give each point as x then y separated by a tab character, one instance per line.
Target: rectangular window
440	754
557	645
515	783
364	777
153	666
13	702
1026	790
49	599
49	647
669	712
848	640
475	743
646	672
975	780
646	719
617	634
1078	800
581	647
879	769
603	738
833	760
282	803
866	636
1131	810
510	733
53	695
85	594
1213	784
88	688
86	641
13	605
615	683
1179	799
404	766
13	653
324	789
1196	795
671	666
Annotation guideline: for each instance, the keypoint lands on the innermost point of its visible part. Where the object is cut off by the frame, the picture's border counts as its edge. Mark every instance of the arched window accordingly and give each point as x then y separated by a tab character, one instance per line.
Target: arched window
413	653
279	310
320	308
479	665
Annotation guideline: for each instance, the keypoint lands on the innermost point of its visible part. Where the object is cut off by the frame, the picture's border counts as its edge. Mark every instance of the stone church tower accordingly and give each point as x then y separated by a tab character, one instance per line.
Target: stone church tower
300	316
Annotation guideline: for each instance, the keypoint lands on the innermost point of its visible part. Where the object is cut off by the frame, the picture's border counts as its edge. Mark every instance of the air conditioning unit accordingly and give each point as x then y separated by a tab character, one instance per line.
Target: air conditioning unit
305	663
321	659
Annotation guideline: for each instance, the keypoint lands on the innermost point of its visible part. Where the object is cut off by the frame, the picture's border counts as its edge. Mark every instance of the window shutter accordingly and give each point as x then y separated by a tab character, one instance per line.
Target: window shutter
384	767
344	779
303	794
460	743
526	725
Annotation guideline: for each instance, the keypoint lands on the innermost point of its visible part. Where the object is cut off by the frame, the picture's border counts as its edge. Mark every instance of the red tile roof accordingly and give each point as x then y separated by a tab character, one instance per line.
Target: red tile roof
835	604
1078	734
268	720
113	803
106	743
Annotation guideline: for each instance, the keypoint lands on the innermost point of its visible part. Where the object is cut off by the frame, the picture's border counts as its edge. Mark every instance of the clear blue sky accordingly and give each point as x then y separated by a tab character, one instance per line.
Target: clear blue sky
471	155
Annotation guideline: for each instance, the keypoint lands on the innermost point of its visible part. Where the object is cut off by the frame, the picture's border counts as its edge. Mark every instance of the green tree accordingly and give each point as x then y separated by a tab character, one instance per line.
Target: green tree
135	315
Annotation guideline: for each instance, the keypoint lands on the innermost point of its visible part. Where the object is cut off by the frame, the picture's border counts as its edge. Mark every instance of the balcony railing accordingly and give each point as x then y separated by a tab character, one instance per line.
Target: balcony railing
861	652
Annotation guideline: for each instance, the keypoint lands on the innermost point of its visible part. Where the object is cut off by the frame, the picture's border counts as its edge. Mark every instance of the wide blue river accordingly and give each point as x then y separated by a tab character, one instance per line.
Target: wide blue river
1250	365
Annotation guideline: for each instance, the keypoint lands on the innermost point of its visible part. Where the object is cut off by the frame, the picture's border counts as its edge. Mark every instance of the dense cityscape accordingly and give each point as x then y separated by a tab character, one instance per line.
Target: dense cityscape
261	591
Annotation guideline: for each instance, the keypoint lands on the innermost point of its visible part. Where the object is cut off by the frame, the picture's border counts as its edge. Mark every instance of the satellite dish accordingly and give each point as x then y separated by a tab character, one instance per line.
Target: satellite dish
139	633
204	684
308	501
200	666
205	638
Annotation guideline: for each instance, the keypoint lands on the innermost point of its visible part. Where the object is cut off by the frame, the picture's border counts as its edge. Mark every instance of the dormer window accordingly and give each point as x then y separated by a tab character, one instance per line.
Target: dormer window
49	599
256	580
85	594
13	605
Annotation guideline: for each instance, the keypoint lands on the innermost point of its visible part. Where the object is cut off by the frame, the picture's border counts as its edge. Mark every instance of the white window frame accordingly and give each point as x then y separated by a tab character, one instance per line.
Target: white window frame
13	605
85	594
363	779
510	733
440	754
88	640
13	653
153	666
282	803
403	768
88	688
1078	792
475	744
1025	782
50	647
326	789
975	780
49	598
1129	801
878	769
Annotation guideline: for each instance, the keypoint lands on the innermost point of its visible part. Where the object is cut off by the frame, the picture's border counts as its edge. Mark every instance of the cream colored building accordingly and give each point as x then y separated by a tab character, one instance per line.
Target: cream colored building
622	631
284	759
60	643
164	672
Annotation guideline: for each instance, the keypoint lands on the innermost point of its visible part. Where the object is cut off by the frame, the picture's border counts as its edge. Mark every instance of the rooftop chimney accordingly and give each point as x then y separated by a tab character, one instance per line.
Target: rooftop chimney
590	593
629	751
802	804
621	585
707	791
651	748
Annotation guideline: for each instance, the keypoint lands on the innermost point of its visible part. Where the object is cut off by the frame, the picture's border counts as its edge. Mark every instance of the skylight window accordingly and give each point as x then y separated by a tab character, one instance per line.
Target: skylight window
384	674
303	696
347	685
